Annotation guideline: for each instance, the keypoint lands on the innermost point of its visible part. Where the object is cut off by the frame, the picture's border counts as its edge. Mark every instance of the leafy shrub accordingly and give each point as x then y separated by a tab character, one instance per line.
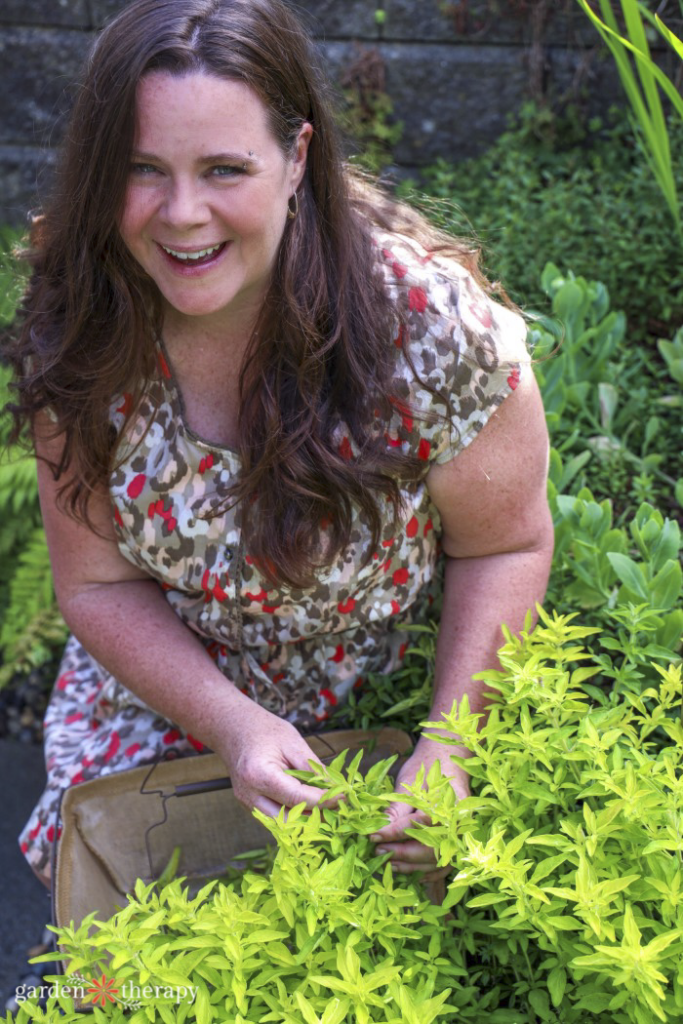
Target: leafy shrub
604	400
587	201
564	898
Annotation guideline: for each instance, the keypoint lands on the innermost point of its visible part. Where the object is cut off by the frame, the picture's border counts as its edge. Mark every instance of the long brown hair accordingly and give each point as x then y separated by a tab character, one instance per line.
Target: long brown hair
321	351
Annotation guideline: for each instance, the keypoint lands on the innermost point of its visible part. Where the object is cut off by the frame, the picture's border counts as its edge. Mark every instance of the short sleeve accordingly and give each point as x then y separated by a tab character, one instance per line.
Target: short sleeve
468	349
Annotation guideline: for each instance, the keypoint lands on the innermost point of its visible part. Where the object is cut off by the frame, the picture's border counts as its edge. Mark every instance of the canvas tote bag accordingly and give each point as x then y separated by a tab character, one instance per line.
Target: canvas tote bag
125	826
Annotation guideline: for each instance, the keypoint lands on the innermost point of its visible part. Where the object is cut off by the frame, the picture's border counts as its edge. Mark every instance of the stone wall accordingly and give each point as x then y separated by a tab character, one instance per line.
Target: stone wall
453	71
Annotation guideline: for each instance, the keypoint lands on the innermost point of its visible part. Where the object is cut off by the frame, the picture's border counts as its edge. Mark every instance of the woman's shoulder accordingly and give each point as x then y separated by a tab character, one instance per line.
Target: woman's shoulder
467	348
439	296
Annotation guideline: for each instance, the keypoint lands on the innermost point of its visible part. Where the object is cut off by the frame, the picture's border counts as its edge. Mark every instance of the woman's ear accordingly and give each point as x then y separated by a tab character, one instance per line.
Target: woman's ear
303	141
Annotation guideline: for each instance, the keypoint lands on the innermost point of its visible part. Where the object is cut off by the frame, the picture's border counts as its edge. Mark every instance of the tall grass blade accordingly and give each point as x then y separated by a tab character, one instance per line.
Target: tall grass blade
641	90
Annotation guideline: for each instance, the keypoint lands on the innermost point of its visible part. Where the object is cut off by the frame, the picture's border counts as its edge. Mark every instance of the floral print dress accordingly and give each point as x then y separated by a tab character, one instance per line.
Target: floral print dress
299	653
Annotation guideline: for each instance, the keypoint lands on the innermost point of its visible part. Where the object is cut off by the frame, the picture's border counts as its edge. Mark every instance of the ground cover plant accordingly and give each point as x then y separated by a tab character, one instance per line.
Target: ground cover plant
564	904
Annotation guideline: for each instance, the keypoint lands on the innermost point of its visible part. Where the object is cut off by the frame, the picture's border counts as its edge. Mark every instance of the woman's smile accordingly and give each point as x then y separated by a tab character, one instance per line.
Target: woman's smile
195	261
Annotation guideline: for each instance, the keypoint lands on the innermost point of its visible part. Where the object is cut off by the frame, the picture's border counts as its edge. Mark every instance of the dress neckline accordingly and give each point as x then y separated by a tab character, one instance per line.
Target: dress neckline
169	381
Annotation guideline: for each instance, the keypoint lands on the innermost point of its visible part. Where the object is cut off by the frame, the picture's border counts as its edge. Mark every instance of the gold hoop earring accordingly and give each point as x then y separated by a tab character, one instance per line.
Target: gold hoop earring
293	211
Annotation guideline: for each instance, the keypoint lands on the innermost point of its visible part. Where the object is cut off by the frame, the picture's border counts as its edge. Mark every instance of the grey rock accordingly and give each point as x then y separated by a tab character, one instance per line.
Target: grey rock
455	103
480	22
340	19
103	11
25	172
37	70
345	19
45	12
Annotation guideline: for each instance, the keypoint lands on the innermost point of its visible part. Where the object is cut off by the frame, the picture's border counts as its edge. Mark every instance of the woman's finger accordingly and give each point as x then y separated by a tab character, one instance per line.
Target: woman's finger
411	851
267	806
288	792
401	817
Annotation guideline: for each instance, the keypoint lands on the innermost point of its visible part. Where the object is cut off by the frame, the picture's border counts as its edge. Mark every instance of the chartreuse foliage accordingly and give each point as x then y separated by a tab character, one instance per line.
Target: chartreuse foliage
565	902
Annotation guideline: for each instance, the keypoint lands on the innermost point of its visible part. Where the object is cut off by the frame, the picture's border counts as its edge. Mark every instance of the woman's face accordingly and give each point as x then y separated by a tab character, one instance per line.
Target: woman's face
206	204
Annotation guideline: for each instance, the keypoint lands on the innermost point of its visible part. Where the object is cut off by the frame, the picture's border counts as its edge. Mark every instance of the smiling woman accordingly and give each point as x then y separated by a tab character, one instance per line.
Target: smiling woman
207	229
266	400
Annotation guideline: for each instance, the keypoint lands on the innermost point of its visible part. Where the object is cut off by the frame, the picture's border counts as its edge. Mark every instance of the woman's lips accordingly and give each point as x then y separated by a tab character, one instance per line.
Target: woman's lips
188	266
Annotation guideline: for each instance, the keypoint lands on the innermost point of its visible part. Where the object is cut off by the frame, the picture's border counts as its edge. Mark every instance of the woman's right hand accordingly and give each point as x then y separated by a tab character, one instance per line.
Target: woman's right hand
257	751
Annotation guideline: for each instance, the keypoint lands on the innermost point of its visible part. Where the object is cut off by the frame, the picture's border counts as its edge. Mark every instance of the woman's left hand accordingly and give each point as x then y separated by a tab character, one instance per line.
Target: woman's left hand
408	855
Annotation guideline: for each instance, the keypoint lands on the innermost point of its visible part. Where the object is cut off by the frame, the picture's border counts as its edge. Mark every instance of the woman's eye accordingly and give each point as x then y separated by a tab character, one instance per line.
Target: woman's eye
143	169
226	171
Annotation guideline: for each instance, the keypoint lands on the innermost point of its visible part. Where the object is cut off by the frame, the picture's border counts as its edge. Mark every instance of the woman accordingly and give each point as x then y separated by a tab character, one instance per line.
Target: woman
252	386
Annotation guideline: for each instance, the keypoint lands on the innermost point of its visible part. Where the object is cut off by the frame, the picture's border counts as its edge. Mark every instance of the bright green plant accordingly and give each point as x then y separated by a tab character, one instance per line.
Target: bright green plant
572	841
642	89
32	631
328	935
10	279
565	896
590	338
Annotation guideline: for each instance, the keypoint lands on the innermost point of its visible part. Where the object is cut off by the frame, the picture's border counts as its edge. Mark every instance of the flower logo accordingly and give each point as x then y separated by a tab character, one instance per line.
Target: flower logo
103	990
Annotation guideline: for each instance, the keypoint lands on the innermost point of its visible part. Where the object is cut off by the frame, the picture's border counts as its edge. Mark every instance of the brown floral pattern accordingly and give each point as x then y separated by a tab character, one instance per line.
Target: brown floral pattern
296	652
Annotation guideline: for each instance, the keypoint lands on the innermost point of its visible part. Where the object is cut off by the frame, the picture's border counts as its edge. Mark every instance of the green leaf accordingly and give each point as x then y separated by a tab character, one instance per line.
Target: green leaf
594	1002
665	588
630	574
538	999
202	1005
487	899
557	983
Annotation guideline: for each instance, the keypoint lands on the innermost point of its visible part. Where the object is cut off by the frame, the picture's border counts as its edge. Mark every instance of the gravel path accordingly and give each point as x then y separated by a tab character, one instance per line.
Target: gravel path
25	902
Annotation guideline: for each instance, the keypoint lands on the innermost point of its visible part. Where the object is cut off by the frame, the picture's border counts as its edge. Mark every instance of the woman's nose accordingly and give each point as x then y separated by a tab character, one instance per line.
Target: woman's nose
185	205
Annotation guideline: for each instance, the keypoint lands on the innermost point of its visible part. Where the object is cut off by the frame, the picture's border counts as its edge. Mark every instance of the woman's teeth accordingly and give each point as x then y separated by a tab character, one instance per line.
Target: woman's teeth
196	255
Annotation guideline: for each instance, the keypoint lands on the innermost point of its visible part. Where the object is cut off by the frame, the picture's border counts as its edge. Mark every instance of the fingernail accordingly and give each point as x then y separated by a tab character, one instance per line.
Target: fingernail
381	849
375	837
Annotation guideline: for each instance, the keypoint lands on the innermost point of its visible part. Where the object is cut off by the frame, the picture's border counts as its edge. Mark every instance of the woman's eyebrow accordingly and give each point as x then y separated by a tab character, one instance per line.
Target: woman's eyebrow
220	158
212	158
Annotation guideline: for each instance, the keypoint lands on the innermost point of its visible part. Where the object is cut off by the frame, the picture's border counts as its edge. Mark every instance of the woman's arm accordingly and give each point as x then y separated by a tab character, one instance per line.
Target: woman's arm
498	541
122	618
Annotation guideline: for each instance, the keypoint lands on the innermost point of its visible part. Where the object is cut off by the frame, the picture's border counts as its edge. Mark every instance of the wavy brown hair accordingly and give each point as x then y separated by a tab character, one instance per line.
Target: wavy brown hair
321	351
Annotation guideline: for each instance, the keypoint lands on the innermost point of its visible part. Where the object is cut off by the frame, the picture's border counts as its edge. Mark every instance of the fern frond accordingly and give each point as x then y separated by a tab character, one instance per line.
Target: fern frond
18	485
30	592
41	641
